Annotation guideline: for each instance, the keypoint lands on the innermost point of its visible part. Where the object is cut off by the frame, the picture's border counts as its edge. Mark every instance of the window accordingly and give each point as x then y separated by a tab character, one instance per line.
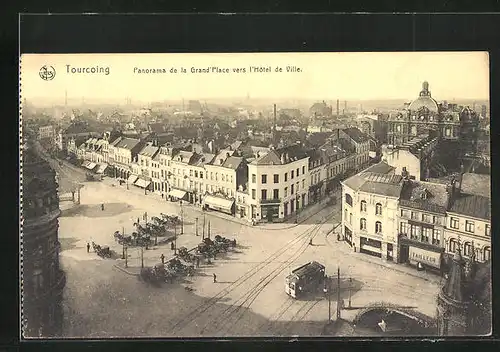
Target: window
378	209
303	170
453	245
211	175
426	233
362	224
469	226
297	172
426	217
435	219
486	254
414	215
350	218
253	194
196	174
254	178
467	249
276	193
223	178
454	223
291	174
297	187
348	199
276	178
291	189
286	191
216	176
190	173
403	228
405	213
363	206
436	236
263	194
414	232
286	176
378	227
303	184
487	230
201	174
264	179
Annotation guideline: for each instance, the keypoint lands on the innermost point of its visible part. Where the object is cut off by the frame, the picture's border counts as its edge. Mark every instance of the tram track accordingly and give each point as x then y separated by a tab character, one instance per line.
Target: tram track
247	299
202	308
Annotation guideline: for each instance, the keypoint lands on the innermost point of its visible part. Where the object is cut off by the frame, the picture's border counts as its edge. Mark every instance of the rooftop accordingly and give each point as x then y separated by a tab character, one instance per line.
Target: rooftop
472	205
233	162
127	143
356	135
425	195
377	183
380	168
477	184
149	151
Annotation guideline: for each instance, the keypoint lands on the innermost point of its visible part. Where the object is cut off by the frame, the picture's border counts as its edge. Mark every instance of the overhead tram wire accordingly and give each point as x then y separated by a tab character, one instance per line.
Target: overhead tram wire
200	309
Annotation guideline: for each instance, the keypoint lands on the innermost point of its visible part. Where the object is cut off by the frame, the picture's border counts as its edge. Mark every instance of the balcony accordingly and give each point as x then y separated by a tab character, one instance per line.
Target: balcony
270	201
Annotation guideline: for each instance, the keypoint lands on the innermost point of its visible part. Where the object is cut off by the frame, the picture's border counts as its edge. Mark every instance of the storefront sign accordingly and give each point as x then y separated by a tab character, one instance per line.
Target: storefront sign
425	257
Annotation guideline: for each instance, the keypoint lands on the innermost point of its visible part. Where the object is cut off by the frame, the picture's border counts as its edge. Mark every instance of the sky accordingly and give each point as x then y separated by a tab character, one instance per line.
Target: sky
355	76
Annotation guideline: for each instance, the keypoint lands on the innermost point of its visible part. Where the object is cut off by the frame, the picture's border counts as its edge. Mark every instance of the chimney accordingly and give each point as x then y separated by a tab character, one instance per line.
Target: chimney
338	107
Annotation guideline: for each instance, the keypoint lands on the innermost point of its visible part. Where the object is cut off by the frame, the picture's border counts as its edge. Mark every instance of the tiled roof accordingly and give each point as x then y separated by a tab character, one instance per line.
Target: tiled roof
380	168
356	135
233	162
472	205
382	184
477	184
127	143
425	195
149	151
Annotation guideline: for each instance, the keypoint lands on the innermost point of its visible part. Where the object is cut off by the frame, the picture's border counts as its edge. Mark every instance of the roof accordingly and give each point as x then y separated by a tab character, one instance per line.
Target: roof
381	168
424	101
127	143
356	135
157	127
376	183
149	151
77	128
472	205
476	184
425	195
308	269
185	156
233	162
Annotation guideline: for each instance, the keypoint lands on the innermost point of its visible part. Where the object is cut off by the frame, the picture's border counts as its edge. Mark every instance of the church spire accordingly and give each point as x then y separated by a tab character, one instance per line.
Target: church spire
454	286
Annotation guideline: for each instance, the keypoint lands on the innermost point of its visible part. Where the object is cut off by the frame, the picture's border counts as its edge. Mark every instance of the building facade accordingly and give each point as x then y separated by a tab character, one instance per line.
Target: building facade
278	184
43	280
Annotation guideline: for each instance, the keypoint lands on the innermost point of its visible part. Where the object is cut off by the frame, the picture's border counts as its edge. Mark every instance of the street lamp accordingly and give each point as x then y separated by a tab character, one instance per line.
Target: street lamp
196	229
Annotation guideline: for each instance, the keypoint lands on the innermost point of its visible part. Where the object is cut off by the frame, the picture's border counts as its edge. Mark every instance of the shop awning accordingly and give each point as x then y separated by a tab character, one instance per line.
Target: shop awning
102	167
219	203
91	165
371	248
425	257
86	163
132	178
142	182
177	193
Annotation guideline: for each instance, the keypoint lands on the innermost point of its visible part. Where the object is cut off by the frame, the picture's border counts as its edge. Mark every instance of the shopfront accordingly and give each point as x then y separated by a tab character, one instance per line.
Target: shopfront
270	212
421	254
370	246
176	194
219	204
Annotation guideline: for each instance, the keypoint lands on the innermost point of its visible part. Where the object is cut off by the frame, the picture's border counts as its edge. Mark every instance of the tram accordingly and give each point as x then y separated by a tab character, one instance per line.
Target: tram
305	279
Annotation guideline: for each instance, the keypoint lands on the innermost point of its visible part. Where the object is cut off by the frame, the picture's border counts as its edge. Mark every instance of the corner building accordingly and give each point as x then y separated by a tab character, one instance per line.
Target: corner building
43	280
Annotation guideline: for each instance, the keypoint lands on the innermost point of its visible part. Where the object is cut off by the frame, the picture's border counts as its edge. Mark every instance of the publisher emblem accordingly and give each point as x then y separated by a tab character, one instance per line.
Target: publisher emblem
47	73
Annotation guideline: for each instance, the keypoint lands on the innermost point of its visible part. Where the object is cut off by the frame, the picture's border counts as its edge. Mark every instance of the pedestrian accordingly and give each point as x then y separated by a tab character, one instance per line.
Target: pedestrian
215	278
162	258
102	206
354	246
172	247
137	221
162	196
88	247
311	242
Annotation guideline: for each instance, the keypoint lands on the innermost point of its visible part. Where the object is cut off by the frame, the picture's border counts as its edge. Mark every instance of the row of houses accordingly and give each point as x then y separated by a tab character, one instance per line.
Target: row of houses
271	184
399	217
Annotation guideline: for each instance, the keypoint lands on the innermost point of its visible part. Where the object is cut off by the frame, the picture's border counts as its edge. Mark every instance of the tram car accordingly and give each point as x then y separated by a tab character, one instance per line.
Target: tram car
305	279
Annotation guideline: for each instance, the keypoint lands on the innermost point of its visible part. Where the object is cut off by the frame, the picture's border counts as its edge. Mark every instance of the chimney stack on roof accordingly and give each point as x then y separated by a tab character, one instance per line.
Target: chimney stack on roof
338	107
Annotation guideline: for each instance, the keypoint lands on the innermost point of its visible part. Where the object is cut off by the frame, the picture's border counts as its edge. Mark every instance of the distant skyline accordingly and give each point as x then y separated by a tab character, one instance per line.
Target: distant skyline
324	76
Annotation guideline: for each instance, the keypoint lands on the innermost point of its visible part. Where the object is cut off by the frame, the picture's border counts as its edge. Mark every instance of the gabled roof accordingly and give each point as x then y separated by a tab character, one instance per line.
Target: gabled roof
356	135
270	158
185	157
233	162
471	205
476	184
425	195
381	168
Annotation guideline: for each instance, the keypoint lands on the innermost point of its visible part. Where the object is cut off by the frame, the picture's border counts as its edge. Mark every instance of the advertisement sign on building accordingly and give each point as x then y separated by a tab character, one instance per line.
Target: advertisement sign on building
425	257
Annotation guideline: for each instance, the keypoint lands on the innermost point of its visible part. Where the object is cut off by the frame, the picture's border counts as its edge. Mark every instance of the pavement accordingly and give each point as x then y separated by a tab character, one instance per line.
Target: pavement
248	298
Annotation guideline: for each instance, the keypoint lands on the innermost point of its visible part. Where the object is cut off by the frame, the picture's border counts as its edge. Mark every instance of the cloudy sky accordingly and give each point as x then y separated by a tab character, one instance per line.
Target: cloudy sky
364	76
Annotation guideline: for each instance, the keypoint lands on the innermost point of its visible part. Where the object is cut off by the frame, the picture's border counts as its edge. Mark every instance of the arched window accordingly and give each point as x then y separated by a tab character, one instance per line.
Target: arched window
378	227
414	130
363	205
348	199
486	254
378	209
467	249
362	224
453	245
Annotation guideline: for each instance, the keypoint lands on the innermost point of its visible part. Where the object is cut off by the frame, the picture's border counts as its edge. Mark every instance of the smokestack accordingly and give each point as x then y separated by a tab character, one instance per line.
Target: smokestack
345	105
338	108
